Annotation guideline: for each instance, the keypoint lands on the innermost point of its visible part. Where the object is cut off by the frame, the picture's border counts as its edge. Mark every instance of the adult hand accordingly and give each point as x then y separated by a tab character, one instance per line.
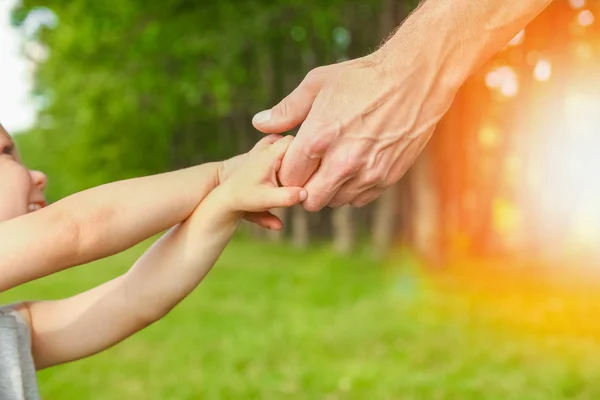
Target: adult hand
364	122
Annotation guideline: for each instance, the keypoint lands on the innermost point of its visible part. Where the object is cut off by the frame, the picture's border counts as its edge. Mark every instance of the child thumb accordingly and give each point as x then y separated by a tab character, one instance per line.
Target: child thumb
285	196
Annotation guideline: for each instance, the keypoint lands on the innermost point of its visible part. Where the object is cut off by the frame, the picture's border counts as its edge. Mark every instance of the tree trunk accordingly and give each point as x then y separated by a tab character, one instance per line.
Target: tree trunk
300	227
343	230
384	222
277	236
405	216
425	225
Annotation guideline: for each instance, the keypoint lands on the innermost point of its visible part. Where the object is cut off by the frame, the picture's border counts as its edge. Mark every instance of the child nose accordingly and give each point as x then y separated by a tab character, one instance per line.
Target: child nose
39	179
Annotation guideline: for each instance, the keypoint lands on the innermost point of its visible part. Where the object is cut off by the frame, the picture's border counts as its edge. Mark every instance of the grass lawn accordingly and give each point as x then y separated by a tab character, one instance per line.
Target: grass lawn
271	322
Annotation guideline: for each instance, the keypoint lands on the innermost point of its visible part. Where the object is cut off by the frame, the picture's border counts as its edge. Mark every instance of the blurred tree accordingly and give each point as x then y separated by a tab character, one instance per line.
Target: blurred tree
391	15
127	88
132	87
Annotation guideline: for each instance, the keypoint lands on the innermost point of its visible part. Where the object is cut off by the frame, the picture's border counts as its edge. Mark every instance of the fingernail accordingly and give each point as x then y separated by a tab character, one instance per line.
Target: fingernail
303	195
262	117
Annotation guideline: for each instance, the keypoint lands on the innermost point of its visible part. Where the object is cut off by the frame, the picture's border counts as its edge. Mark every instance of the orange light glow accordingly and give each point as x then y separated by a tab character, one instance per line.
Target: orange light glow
488	137
566	166
504	80
542	71
585	18
576	4
532	151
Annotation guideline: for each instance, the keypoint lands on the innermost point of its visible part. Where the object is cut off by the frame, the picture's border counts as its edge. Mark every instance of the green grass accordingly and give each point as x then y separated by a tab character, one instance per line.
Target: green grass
271	322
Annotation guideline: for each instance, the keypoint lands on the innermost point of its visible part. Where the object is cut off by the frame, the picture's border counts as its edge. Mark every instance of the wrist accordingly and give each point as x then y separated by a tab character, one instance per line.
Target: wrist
427	54
205	177
448	40
220	173
222	203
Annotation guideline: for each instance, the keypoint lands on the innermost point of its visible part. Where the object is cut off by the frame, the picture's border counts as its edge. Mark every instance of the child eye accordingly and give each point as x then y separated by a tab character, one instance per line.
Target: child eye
8	150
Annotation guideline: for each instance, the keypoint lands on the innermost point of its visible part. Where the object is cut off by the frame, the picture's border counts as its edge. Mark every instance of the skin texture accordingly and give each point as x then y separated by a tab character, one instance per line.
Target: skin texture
22	186
364	122
201	207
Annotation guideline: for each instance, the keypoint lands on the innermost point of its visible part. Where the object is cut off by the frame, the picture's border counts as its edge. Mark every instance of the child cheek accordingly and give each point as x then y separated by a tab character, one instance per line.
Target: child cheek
12	209
14	194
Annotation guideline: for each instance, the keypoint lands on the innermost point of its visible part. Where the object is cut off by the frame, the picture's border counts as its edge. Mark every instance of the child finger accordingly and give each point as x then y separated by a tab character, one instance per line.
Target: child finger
267	141
279	148
284	197
264	219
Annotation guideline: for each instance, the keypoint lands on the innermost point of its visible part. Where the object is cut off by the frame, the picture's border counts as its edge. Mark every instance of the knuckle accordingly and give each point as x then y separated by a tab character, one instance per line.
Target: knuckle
347	163
357	152
318	144
350	167
312	206
286	177
372	177
282	108
315	75
388	181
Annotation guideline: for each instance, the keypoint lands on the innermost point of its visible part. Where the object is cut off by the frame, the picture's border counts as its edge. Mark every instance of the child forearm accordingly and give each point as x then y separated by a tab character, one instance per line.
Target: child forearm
172	268
74	328
117	216
99	222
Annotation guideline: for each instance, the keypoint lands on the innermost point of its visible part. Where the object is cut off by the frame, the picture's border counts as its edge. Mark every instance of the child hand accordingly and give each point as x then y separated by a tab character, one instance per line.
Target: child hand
264	219
228	167
249	182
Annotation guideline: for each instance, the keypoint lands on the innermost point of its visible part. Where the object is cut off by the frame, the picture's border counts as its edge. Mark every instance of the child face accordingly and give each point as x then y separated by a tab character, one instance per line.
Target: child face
21	190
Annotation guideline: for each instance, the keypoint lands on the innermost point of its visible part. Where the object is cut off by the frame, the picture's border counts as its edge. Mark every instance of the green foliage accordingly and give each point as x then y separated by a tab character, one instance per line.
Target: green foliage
132	87
272	323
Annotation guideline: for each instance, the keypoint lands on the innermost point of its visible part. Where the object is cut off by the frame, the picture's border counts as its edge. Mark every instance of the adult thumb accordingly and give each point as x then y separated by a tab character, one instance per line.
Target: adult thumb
293	109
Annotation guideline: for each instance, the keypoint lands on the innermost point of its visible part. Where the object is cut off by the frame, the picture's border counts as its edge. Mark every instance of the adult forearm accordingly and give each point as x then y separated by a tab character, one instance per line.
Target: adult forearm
450	39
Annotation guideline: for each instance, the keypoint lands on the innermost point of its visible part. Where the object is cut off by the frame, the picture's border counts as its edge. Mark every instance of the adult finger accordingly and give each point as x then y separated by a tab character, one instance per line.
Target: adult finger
337	168
367	197
350	191
293	109
305	153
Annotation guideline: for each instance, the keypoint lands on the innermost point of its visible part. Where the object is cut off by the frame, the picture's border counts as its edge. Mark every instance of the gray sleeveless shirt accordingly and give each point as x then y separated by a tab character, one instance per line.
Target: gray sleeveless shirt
17	369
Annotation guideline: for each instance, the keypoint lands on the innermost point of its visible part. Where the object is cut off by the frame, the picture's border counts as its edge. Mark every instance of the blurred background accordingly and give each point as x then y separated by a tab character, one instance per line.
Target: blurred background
475	277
